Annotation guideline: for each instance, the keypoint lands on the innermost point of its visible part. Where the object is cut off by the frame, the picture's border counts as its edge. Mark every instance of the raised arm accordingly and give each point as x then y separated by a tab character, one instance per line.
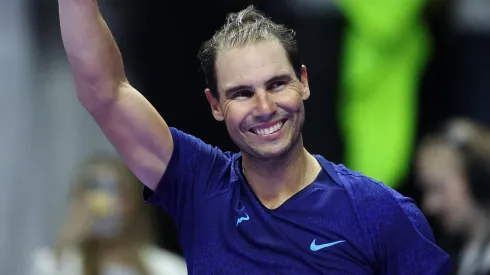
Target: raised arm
129	121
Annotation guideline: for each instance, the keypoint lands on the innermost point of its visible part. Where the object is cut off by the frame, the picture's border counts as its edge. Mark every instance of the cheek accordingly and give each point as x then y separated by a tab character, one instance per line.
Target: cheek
234	114
432	202
290	100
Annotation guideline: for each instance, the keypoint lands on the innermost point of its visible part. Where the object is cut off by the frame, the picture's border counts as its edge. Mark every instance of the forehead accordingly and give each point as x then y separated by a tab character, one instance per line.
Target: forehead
439	155
438	161
252	64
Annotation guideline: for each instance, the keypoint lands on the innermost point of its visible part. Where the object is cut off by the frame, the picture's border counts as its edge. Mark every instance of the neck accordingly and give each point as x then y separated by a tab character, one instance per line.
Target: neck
275	181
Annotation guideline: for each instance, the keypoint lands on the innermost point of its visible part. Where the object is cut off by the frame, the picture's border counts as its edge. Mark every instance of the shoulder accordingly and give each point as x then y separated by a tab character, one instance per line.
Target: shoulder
364	189
192	153
397	232
377	204
182	138
44	261
163	262
367	192
195	161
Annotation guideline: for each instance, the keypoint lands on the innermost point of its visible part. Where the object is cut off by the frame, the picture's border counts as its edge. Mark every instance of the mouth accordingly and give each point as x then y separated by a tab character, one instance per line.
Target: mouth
268	128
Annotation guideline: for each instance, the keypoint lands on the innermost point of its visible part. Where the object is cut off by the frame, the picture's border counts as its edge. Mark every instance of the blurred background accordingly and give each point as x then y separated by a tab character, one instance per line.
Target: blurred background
383	77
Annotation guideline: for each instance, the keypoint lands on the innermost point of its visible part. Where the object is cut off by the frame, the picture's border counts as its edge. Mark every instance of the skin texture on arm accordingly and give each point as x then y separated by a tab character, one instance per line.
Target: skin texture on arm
129	121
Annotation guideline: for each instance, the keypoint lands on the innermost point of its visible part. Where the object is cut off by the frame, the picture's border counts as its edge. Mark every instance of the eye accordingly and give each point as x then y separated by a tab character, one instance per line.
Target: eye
277	85
242	94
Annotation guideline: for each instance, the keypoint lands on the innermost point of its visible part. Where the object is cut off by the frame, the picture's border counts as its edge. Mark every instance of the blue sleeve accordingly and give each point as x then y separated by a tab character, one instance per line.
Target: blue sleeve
403	240
194	173
407	245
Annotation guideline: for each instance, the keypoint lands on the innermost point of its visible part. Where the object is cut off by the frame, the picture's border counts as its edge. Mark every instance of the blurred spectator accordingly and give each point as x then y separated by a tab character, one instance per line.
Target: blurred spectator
453	167
107	230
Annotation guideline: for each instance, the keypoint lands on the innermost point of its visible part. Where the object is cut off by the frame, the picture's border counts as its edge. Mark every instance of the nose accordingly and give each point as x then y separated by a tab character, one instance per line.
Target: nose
265	107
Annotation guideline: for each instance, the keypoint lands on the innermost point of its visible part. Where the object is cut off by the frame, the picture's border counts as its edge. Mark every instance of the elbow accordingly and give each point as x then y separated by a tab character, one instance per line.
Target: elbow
98	95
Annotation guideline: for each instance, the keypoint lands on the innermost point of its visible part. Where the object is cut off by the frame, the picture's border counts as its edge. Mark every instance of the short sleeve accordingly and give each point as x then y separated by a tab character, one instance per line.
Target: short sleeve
196	171
400	234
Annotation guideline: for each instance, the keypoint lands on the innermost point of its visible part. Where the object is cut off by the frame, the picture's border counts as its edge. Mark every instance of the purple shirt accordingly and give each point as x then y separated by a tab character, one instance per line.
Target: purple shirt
342	223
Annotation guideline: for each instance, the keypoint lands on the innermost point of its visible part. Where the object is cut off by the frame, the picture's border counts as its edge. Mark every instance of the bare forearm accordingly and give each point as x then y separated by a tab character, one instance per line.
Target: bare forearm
94	58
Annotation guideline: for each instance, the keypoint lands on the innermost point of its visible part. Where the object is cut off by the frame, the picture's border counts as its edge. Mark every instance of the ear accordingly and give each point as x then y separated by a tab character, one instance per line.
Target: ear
214	104
304	80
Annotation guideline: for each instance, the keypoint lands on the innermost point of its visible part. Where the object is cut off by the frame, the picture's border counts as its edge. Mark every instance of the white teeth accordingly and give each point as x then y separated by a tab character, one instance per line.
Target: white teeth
269	130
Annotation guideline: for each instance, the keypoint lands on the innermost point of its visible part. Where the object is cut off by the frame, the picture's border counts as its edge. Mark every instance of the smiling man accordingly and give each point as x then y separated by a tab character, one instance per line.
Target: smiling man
273	208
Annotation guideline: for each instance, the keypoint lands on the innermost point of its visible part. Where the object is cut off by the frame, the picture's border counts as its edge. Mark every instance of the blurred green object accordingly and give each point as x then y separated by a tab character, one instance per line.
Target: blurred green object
385	51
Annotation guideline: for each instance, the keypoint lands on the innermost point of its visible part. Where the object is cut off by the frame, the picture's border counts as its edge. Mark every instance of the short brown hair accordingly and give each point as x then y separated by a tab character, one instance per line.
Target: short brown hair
240	29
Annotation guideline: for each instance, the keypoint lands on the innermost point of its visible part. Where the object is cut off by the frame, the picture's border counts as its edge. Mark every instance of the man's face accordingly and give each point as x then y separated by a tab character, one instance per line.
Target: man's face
261	99
446	193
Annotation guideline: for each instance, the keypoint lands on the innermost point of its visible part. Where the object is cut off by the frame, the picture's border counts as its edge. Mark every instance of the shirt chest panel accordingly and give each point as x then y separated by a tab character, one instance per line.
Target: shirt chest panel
235	232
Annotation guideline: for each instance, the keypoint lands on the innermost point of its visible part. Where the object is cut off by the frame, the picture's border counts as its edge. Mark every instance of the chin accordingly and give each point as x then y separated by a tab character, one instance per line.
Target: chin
268	154
272	151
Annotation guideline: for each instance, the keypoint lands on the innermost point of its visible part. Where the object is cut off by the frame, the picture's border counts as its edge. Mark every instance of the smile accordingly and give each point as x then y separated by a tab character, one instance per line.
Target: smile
268	130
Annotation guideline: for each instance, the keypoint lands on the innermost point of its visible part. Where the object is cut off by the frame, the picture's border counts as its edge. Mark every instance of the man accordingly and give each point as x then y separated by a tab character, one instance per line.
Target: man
274	208
453	168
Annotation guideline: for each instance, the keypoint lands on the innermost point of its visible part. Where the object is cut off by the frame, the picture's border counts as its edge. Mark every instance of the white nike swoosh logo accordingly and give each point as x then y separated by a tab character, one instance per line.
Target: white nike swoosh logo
315	247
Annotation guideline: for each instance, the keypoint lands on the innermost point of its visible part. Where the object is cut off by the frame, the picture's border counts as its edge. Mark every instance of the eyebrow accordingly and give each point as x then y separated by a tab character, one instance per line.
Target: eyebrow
283	77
